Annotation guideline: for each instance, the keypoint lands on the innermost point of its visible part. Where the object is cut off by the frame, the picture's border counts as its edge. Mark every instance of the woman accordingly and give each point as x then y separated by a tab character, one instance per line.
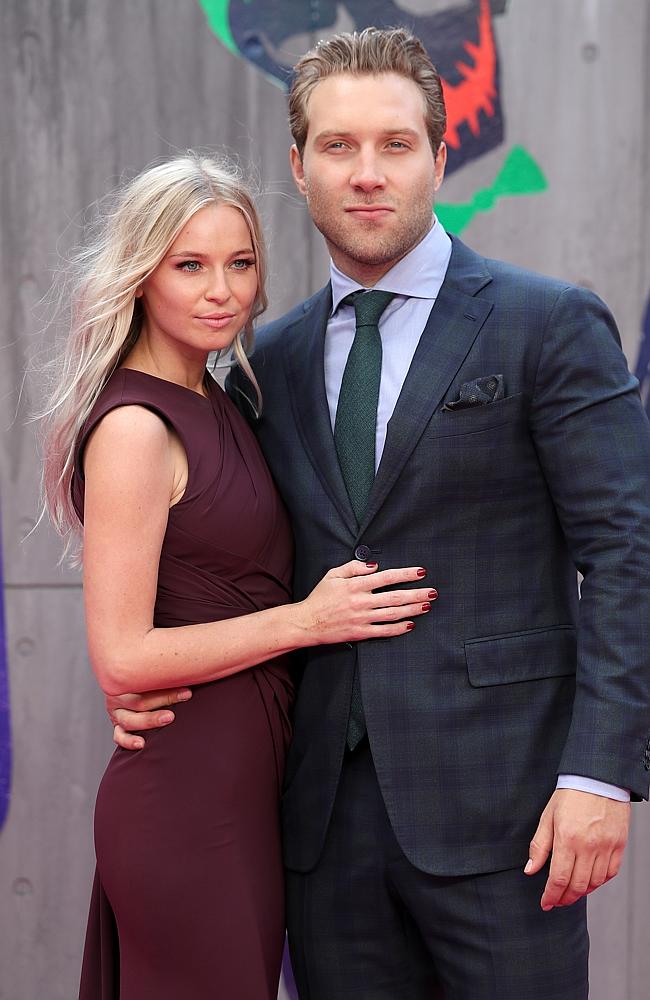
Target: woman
187	564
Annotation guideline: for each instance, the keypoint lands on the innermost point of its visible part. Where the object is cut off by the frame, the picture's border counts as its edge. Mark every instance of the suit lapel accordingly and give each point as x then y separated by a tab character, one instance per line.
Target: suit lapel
304	363
453	325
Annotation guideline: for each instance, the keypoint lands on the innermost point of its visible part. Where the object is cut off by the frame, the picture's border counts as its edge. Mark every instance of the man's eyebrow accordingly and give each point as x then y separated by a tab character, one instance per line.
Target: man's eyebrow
332	133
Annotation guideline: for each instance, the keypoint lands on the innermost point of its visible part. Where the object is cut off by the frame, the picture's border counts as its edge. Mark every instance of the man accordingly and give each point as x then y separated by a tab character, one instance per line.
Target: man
510	448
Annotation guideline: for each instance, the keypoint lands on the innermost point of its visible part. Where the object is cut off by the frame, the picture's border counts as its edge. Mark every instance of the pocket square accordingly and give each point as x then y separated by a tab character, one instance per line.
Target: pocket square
478	392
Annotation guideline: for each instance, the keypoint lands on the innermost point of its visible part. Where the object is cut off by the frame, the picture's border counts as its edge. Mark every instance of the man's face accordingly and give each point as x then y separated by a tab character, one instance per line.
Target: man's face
368	171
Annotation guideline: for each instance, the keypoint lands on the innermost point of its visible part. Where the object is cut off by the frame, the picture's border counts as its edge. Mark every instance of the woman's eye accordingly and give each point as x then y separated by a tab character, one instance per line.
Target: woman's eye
243	263
189	265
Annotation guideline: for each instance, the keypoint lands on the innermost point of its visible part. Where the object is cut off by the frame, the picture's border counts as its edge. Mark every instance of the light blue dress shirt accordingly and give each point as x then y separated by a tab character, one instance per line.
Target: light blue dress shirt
415	281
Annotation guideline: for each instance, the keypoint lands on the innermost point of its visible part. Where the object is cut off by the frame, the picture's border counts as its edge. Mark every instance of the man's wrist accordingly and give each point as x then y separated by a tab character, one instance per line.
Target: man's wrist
592	785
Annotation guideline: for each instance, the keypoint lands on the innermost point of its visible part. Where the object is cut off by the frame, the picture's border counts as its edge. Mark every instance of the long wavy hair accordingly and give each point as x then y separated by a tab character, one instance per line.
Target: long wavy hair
131	238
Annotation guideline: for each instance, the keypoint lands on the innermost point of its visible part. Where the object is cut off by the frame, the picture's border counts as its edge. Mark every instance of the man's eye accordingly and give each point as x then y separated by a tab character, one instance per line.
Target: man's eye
397	144
189	265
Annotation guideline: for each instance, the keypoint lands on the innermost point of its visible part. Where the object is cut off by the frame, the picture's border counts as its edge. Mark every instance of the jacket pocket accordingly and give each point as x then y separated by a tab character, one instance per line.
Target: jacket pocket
521	656
448	423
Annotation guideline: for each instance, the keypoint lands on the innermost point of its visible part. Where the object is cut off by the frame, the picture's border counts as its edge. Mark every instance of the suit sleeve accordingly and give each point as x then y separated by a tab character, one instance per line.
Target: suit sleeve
593	441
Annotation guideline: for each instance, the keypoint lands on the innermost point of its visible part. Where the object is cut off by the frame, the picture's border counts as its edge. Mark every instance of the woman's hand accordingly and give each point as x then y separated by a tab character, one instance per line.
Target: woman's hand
344	607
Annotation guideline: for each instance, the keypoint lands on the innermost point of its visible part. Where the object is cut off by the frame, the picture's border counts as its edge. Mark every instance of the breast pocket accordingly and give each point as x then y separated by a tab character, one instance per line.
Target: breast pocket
529	655
488	416
477	455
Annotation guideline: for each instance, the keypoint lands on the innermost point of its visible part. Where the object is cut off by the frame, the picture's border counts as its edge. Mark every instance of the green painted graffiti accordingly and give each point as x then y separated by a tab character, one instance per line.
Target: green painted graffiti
520	174
216	12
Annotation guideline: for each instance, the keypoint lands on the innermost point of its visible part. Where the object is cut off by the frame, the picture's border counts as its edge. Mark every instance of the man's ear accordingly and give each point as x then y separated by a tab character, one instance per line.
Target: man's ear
295	162
440	163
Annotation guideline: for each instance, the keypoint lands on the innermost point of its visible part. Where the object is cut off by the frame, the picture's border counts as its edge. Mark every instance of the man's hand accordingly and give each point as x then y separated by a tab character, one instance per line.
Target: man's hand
587	835
129	712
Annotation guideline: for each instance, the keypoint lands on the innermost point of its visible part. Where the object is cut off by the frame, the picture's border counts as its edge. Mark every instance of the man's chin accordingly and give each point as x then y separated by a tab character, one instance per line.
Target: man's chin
373	254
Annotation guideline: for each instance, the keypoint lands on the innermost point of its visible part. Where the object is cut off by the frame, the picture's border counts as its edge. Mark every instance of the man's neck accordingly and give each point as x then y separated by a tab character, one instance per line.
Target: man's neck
368	274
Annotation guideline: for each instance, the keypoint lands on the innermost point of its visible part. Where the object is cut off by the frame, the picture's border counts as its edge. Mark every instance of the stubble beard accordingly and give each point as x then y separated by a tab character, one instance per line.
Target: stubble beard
370	243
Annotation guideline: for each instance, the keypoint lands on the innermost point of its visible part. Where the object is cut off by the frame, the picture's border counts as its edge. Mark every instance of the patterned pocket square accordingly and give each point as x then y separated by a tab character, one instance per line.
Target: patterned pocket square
478	392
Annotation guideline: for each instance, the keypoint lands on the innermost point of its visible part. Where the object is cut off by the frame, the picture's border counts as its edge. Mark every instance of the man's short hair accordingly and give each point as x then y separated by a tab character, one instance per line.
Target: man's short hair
367	53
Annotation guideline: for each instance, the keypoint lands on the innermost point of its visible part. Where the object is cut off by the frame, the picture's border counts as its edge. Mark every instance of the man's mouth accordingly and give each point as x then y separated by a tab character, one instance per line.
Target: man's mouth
370	211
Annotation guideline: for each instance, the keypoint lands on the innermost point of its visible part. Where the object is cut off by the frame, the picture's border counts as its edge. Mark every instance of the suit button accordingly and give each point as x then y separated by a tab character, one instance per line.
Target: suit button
362	552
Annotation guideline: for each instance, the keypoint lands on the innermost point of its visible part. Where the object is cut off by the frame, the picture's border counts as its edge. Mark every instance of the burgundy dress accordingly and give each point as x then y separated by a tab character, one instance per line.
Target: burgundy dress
188	894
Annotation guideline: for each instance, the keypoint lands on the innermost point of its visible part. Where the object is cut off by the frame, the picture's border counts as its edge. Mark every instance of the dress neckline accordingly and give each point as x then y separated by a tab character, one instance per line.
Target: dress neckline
209	382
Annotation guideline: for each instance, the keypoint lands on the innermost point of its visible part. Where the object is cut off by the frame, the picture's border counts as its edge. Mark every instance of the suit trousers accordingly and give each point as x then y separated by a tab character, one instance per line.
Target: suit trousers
365	923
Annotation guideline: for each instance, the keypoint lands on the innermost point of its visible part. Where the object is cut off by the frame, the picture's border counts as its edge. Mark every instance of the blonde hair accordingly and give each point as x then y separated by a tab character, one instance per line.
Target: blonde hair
367	53
132	238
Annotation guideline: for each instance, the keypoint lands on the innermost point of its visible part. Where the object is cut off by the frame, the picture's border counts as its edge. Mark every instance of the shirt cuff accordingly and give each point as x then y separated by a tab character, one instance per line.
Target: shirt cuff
582	784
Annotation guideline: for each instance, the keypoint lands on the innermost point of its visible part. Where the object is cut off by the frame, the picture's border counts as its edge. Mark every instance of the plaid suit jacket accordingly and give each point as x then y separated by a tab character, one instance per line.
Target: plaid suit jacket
511	678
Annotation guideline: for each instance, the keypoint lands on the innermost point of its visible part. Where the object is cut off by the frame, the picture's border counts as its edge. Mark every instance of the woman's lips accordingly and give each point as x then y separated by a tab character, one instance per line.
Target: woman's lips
218	321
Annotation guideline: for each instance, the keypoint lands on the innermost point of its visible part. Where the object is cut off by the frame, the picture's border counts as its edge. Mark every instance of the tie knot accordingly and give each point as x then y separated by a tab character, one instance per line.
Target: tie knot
368	306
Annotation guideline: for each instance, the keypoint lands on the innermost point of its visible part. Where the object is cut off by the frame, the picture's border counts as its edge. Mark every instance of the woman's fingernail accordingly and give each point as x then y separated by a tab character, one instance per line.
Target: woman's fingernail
432	595
410	626
372	565
165	717
138	744
426	606
529	865
184	695
422	571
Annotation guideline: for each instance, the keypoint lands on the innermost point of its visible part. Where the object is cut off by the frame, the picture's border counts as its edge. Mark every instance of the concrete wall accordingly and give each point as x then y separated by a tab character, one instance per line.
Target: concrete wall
92	91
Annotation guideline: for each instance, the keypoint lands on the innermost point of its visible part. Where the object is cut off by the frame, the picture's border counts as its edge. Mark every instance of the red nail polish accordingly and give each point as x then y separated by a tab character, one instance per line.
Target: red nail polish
426	606
410	626
432	595
422	571
372	565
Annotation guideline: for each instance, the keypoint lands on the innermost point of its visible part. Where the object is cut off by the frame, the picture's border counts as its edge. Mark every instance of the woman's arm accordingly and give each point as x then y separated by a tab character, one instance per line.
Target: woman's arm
132	472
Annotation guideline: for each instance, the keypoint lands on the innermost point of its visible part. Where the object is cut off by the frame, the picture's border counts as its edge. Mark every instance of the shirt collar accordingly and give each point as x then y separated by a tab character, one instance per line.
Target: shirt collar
419	274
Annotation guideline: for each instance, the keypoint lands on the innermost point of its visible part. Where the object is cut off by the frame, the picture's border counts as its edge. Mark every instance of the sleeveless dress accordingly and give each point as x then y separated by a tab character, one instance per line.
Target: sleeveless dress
188	900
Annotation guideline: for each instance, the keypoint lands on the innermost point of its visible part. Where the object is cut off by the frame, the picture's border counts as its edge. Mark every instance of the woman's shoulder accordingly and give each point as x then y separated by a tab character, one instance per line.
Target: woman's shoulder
126	424
129	425
132	387
121	391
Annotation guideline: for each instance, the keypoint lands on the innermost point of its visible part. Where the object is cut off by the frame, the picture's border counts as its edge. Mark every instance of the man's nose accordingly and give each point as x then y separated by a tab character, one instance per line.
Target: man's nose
367	173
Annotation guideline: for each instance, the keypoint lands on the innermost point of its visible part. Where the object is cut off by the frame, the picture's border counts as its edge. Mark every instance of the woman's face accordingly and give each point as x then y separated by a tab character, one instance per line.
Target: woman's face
201	294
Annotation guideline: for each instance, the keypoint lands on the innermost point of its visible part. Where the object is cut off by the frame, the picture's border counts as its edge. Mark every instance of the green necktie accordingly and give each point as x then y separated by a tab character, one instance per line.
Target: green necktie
355	430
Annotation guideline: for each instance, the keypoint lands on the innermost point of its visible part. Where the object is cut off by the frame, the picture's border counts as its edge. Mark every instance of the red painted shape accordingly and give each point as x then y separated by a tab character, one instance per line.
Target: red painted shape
477	89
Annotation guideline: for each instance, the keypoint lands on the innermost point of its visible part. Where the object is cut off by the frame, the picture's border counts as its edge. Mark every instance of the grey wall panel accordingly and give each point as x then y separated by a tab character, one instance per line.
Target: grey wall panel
61	744
93	91
574	90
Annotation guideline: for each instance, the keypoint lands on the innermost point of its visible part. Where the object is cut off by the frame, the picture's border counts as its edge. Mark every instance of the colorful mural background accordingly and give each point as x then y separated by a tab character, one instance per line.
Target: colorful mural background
462	45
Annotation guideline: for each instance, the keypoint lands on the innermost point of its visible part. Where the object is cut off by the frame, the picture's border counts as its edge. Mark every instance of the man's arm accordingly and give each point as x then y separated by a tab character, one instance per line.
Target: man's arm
593	442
